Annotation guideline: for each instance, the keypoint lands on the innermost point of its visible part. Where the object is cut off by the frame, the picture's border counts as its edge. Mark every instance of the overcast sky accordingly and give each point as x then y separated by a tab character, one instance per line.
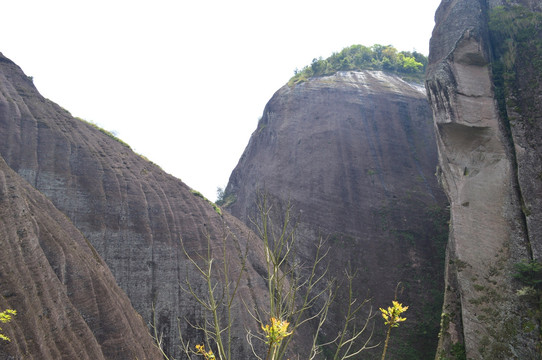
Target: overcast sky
184	82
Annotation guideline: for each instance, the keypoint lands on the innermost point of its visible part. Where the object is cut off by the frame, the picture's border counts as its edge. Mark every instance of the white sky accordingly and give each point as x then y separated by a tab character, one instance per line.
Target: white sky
184	82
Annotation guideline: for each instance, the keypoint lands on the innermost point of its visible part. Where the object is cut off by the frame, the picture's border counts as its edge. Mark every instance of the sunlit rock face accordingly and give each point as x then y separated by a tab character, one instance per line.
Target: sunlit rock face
132	212
355	154
67	301
490	159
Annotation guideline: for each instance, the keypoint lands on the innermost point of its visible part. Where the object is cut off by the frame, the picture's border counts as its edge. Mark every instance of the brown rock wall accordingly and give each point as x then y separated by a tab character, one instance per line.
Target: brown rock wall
356	155
132	212
67	301
485	181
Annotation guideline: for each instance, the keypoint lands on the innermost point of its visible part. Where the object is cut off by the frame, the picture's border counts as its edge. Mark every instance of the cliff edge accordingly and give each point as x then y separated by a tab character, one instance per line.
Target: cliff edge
355	154
133	213
488	134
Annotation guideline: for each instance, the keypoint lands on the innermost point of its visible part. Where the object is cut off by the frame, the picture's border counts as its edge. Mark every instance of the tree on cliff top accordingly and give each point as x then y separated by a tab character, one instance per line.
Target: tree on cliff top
410	65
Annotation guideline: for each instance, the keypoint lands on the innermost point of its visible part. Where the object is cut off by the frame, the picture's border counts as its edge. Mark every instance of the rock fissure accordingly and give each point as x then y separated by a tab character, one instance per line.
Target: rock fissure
485	175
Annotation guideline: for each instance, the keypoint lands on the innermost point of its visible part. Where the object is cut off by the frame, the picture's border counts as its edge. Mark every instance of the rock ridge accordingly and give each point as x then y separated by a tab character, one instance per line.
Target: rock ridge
132	212
67	301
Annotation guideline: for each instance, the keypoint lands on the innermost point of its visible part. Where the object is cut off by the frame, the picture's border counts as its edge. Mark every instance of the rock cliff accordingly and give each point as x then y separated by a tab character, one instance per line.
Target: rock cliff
483	83
67	301
132	212
355	153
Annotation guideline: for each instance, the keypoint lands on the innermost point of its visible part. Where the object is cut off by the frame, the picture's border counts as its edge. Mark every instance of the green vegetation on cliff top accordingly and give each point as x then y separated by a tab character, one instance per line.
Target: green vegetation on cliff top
516	38
408	65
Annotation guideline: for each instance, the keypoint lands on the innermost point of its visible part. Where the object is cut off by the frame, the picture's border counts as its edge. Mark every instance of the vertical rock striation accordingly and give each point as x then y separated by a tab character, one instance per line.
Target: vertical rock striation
132	212
67	301
489	157
355	154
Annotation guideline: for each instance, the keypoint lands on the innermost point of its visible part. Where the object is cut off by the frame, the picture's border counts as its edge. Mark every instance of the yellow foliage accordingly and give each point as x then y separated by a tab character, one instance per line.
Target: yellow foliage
208	354
5	317
392	316
276	332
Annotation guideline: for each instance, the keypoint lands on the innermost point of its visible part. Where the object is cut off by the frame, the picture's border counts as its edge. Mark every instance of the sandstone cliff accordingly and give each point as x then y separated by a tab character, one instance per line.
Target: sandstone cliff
355	153
483	84
68	303
132	212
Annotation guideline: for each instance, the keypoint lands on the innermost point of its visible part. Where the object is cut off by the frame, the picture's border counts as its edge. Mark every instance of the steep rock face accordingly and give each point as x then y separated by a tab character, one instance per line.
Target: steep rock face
490	161
355	154
132	212
68	303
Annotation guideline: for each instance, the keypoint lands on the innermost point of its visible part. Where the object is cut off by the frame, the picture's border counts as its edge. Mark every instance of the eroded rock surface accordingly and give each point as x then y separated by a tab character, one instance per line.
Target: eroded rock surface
67	301
489	173
132	212
356	155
